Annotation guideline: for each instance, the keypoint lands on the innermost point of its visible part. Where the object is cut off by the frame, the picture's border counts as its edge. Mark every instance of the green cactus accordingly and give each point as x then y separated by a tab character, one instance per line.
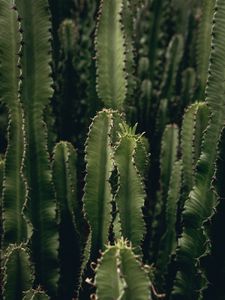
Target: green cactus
130	195
168	156
188	86
204	45
36	91
97	192
14	186
70	218
195	240
119	275
18	273
174	55
110	55
195	121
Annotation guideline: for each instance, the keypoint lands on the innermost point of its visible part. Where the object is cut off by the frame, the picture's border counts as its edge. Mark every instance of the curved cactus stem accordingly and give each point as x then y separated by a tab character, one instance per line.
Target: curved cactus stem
18	273
119	275
131	195
36	92
35	295
204	44
168	242
174	55
168	156
97	192
70	218
14	187
200	206
194	124
110	55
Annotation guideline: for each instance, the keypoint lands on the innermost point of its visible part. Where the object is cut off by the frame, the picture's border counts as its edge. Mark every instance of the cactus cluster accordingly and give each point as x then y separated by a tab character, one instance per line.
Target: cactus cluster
112	149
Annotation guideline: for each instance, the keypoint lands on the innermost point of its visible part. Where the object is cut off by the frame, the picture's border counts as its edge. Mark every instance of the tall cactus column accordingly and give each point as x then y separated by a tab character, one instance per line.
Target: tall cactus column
36	91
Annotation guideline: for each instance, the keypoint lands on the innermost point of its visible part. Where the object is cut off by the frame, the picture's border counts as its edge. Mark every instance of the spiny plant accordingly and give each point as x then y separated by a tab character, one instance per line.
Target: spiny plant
128	213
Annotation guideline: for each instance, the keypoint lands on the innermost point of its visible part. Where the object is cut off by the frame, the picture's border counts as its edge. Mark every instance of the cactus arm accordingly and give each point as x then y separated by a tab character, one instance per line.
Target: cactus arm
174	55
168	155
65	181
35	295
97	192
204	44
36	91
110	55
14	187
131	194
188	86
168	242
128	280
194	123
199	208
114	286
18	273
141	156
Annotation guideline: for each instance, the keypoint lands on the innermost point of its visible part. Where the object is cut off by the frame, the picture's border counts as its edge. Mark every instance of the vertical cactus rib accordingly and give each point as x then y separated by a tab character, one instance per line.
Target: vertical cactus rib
110	55
97	192
14	186
204	44
18	273
200	206
128	280
70	250
131	194
36	92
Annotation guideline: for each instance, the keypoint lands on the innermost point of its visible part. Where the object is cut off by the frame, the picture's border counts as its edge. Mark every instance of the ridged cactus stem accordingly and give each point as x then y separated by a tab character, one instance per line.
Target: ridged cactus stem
14	186
36	92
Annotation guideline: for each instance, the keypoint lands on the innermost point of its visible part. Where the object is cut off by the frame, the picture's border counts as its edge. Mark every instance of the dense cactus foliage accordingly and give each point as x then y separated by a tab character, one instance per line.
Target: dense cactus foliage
112	149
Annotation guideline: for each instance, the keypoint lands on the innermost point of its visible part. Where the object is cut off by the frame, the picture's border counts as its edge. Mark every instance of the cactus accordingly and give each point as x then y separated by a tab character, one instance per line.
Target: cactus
131	194
18	273
194	124
200	205
119	275
110	55
97	192
204	44
36	91
70	218
14	186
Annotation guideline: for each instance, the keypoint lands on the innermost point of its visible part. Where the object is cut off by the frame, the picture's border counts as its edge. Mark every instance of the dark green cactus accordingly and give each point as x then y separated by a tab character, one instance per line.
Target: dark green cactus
70	218
14	187
36	91
35	295
18	273
195	240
